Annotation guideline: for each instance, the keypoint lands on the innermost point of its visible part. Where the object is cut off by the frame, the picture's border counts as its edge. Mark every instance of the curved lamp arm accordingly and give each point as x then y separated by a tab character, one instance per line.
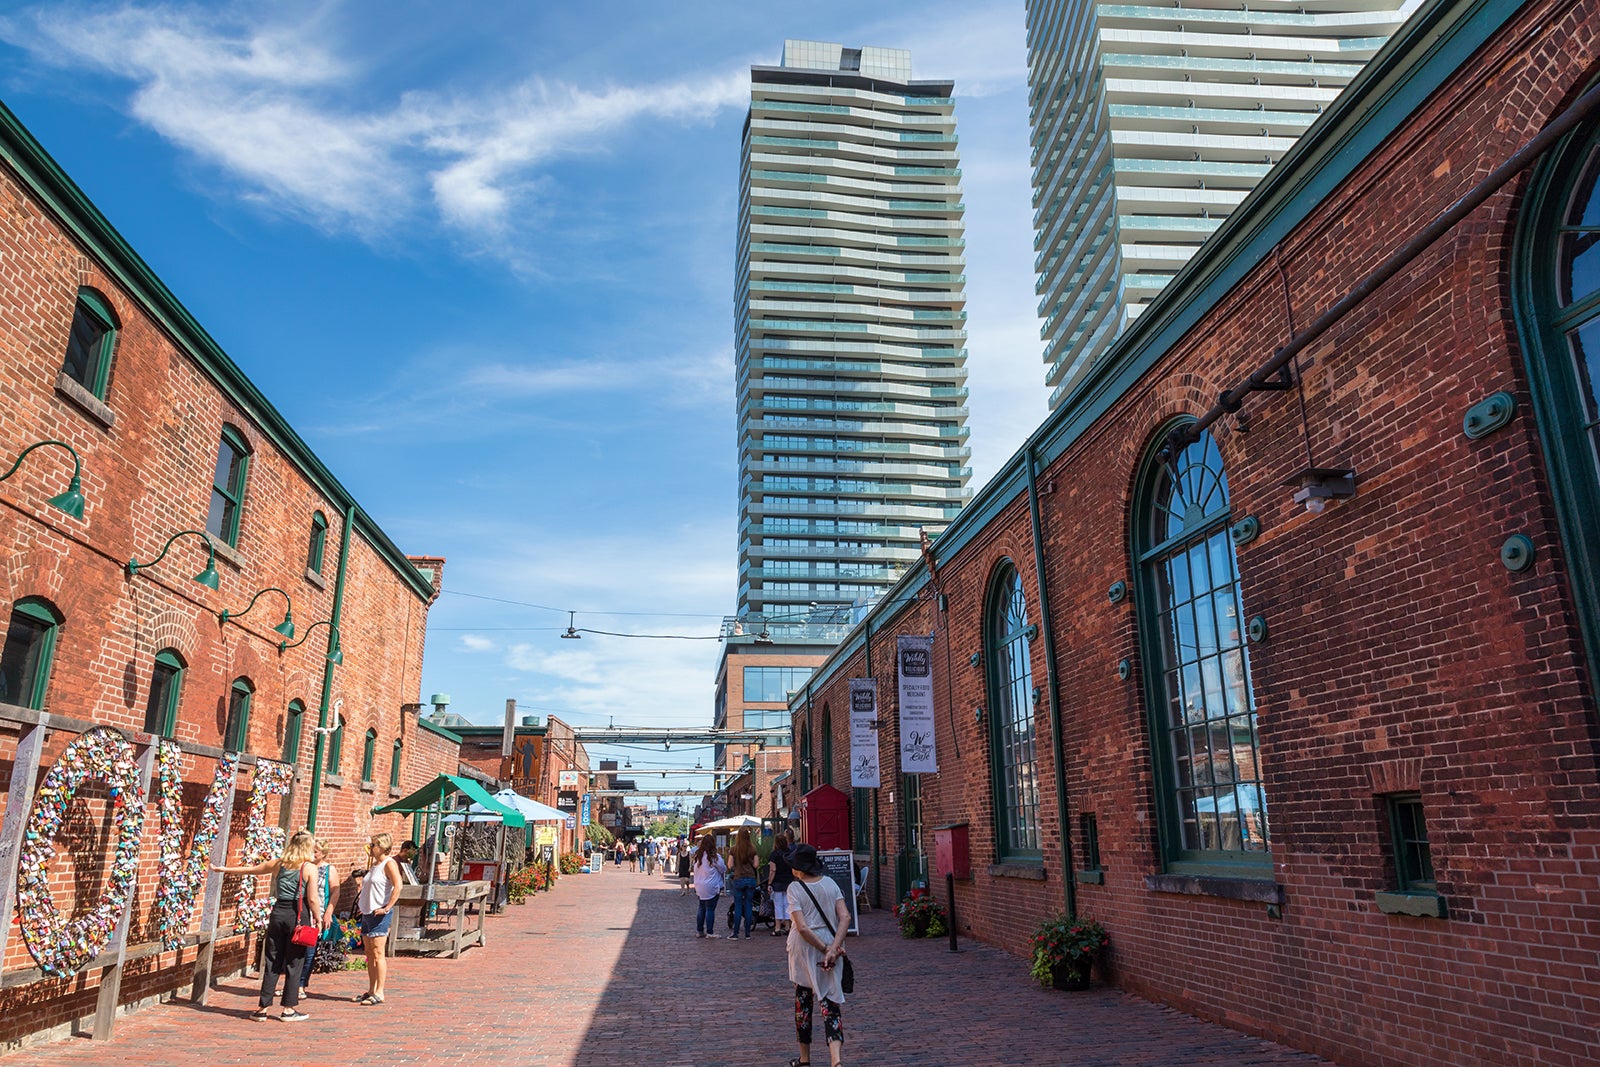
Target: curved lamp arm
70	502
207	577
335	654
285	628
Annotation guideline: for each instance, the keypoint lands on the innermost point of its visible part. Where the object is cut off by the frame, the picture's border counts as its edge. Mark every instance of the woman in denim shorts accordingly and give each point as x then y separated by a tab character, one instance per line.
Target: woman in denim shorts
380	888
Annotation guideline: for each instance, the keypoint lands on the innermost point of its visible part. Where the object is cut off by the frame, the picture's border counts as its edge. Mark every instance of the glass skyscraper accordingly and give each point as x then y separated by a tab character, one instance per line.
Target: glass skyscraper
1150	124
849	328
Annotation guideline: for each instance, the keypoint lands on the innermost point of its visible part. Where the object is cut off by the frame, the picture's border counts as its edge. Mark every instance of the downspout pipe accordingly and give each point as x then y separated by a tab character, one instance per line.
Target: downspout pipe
1052	687
327	666
1231	399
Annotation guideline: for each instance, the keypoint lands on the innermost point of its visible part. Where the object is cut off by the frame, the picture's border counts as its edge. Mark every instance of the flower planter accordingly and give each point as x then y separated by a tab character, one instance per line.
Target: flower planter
1072	976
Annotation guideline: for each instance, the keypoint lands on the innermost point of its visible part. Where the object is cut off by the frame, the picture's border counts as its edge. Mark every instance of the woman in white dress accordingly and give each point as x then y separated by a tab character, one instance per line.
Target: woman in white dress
815	904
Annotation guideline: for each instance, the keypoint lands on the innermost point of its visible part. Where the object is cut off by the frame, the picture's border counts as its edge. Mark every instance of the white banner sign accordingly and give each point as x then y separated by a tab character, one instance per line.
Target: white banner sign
915	659
863	738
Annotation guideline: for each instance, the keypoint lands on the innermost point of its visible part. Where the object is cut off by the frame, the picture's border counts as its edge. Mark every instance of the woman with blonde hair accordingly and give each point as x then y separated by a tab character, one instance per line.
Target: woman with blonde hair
293	875
380	888
742	879
327	878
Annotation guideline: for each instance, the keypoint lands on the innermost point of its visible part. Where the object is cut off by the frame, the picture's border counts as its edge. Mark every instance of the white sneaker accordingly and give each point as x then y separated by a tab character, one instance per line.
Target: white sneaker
292	1016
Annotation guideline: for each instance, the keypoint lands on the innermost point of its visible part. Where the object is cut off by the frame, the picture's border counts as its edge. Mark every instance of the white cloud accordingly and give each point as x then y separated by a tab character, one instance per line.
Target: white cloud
477	643
261	102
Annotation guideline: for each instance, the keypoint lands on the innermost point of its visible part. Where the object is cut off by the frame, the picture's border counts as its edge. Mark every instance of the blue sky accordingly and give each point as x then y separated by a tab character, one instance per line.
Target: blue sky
481	257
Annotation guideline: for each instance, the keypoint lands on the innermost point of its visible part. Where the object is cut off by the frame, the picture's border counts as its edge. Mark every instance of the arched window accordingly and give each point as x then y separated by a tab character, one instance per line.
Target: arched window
166	687
227	487
369	752
827	745
29	652
293	721
91	343
394	764
318	544
336	746
1556	284
1202	711
236	736
805	757
1012	738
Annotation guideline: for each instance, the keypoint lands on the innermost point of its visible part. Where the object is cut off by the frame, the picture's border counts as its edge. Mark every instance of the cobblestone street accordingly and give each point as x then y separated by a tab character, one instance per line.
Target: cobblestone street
606	970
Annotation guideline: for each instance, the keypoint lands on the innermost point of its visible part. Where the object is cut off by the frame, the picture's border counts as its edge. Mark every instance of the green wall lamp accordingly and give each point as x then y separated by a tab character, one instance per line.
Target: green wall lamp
335	653
284	629
70	502
207	577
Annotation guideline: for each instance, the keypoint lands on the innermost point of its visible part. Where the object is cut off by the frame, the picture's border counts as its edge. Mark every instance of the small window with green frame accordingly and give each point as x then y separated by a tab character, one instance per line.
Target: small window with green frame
394	763
293	723
336	747
236	737
318	543
227	487
29	652
1408	837
166	689
369	752
91	344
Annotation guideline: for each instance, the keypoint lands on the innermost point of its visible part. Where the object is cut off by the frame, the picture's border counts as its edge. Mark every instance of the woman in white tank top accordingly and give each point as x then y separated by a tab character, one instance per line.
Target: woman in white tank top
380	888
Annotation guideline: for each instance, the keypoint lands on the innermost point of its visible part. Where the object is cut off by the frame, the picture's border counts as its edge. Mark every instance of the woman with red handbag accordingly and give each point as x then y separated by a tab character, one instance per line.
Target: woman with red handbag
293	874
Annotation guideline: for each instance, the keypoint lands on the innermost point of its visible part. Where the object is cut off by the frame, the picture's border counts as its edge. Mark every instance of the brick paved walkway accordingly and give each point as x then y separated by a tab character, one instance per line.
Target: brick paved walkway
606	970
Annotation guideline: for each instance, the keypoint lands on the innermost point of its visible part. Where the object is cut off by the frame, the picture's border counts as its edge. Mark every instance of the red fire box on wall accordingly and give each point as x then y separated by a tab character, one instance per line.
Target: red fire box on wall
825	818
950	852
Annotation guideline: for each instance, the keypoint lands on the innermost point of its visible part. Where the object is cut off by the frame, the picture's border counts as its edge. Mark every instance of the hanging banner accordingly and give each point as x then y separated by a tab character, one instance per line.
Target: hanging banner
915	660
863	736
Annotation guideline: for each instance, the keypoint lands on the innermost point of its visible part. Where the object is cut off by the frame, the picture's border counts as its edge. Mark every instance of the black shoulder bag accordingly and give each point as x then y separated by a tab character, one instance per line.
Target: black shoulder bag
847	978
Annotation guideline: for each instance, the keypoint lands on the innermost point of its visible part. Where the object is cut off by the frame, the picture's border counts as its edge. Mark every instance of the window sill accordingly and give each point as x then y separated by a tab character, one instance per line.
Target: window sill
91	405
368	787
394	790
1026	871
334	780
316	579
225	551
1089	877
1422	904
1261	891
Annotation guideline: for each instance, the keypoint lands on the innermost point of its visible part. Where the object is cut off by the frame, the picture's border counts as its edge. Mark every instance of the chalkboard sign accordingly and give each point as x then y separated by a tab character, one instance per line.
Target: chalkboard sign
840	865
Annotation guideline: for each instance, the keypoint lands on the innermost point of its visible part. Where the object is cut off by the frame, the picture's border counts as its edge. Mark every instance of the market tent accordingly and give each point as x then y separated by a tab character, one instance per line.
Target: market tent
530	809
733	822
431	797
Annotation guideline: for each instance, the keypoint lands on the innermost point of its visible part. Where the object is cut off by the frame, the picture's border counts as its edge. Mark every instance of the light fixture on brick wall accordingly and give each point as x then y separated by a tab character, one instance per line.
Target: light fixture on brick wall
335	653
207	577
70	502
1316	486
284	629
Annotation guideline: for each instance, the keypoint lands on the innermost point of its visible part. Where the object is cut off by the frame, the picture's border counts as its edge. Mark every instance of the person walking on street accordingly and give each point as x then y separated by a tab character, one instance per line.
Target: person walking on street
709	872
742	873
322	888
816	906
633	857
292	876
650	856
779	879
380	888
684	873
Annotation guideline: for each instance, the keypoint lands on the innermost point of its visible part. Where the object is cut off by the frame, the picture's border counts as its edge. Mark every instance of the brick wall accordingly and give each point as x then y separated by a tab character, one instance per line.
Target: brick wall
1401	654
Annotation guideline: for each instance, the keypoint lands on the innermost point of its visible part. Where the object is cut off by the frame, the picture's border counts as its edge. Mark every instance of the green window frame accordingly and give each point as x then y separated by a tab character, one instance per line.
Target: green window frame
166	689
29	652
236	737
1206	753
318	543
827	745
805	758
394	763
293	723
336	747
227	487
369	752
1013	736
1556	297
91	343
1408	837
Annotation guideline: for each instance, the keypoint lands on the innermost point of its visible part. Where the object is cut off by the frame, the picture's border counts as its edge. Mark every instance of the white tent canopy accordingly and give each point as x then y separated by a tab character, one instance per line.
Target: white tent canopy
733	822
529	809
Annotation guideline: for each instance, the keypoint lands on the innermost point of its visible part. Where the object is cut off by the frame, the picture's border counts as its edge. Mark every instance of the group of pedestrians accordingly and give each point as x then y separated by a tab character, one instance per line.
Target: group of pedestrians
806	904
302	882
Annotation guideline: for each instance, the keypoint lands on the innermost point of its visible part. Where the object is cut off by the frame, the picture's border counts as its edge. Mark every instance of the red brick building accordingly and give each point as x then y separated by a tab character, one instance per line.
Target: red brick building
541	754
1328	774
216	586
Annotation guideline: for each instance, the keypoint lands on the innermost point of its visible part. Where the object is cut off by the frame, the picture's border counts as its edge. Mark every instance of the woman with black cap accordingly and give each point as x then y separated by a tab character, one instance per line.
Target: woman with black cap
816	906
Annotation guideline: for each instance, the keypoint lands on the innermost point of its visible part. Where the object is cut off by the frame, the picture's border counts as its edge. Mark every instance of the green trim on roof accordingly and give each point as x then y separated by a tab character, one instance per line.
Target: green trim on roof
440	730
446	785
44	179
1424	53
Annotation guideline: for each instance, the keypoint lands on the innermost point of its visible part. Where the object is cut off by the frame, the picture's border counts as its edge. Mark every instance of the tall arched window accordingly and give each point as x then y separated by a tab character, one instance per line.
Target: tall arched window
1203	713
805	756
394	764
369	752
317	545
236	735
91	343
1012	738
227	486
827	744
29	651
336	746
293	722
1556	283
166	686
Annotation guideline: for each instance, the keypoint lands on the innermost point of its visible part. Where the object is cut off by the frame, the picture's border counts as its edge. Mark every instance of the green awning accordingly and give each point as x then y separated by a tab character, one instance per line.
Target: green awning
446	785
